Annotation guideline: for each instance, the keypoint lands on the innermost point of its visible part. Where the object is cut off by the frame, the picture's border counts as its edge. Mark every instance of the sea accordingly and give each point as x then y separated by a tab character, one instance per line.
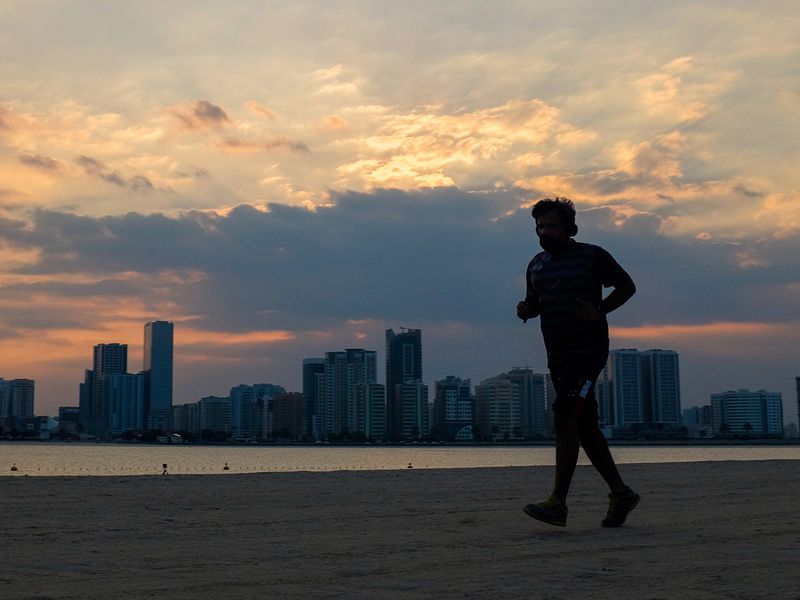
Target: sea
93	459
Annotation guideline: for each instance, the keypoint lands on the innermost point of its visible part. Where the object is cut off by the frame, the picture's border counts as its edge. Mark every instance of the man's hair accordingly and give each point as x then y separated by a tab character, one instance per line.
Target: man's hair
563	207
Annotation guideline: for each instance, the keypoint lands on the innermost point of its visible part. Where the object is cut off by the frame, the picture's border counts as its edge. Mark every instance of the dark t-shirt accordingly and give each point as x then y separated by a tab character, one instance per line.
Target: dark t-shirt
555	282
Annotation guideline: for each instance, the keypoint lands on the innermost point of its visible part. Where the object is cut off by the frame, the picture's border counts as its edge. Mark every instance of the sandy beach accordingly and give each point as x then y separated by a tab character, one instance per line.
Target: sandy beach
702	530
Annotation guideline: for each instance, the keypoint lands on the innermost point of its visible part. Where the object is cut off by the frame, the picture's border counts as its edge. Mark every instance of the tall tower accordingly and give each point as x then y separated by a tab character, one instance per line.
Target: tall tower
343	373
661	386
158	374
313	394
403	366
797	384
622	388
95	402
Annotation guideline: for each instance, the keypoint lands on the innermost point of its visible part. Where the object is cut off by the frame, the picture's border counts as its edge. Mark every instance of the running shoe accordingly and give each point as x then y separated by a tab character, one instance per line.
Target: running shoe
550	511
619	507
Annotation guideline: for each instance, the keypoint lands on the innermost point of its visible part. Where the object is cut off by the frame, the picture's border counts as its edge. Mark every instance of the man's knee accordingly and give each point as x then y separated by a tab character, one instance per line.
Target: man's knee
588	427
563	424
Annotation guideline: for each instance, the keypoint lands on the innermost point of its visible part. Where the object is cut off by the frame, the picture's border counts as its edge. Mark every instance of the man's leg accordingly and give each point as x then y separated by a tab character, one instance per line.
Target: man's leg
567	448
596	448
622	499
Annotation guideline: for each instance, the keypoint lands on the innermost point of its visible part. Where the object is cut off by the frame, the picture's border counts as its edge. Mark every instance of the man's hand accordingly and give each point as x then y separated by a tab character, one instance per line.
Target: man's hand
587	311
523	312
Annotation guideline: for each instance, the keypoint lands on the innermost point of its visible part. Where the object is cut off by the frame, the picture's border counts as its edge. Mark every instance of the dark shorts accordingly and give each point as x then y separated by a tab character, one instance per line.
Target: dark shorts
570	372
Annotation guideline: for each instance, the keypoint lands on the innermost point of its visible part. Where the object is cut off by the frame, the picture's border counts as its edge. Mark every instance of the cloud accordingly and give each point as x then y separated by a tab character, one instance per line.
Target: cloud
431	146
97	168
261	110
200	114
45	164
236	146
369	256
136	183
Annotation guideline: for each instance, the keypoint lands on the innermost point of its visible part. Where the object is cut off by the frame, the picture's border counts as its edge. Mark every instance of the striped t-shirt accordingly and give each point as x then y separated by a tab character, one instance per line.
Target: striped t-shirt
555	282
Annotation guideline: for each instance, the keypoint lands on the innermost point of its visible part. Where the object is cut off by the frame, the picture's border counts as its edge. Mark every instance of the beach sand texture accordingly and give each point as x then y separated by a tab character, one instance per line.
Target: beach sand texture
702	530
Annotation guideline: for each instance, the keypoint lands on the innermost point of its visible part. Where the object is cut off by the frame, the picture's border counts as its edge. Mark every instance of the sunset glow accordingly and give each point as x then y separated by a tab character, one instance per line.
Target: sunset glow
282	180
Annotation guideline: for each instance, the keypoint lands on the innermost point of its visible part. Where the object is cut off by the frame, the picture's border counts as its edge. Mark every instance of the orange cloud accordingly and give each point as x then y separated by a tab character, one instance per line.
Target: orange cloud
423	148
261	110
332	122
185	335
681	332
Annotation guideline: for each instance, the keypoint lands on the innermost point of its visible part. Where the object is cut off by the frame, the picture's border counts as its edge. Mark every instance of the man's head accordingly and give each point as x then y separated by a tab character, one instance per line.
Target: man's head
555	222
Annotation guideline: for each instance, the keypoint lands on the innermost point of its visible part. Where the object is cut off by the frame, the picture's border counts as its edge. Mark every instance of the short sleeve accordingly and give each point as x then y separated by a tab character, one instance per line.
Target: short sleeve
611	274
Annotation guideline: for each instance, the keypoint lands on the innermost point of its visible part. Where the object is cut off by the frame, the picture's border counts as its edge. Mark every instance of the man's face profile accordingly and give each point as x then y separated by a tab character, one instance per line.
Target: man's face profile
551	231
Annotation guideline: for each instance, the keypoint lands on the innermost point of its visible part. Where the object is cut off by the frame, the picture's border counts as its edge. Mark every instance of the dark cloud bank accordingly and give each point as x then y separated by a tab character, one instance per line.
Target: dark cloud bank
440	254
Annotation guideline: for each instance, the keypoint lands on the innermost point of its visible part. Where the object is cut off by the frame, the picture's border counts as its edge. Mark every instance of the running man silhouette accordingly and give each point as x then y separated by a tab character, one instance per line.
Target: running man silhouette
565	289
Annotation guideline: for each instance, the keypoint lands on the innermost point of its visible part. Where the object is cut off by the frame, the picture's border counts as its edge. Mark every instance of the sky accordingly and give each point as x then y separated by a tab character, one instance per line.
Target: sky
283	179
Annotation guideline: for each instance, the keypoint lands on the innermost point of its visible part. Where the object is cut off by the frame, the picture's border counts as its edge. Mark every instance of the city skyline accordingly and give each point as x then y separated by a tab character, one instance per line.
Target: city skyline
115	356
295	177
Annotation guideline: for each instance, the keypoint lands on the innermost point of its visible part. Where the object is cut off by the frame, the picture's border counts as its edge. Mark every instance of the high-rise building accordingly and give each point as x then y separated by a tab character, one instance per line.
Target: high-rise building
343	373
639	388
110	358
313	393
744	412
214	414
497	408
287	412
698	421
185	417
334	396
412	399
17	398
245	424
263	394
371	409
403	366
361	370
531	401
661	387
126	402
619	389
95	399
453	409
157	366
797	385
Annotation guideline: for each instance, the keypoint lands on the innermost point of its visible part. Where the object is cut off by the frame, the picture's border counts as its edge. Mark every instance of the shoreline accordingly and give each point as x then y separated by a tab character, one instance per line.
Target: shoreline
522	444
389	470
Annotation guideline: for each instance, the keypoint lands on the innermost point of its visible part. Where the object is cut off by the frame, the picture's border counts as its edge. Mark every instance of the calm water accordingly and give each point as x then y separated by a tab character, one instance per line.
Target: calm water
119	459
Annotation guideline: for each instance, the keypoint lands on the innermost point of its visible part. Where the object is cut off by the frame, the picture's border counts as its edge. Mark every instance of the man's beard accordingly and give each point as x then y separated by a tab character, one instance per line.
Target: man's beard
550	244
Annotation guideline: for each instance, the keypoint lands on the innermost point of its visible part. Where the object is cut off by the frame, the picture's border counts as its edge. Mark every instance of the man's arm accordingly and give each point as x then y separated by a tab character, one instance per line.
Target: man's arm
528	308
624	288
622	292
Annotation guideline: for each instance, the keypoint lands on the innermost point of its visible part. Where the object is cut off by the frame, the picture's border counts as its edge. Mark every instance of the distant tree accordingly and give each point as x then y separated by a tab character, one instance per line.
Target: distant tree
358	436
209	435
283	434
